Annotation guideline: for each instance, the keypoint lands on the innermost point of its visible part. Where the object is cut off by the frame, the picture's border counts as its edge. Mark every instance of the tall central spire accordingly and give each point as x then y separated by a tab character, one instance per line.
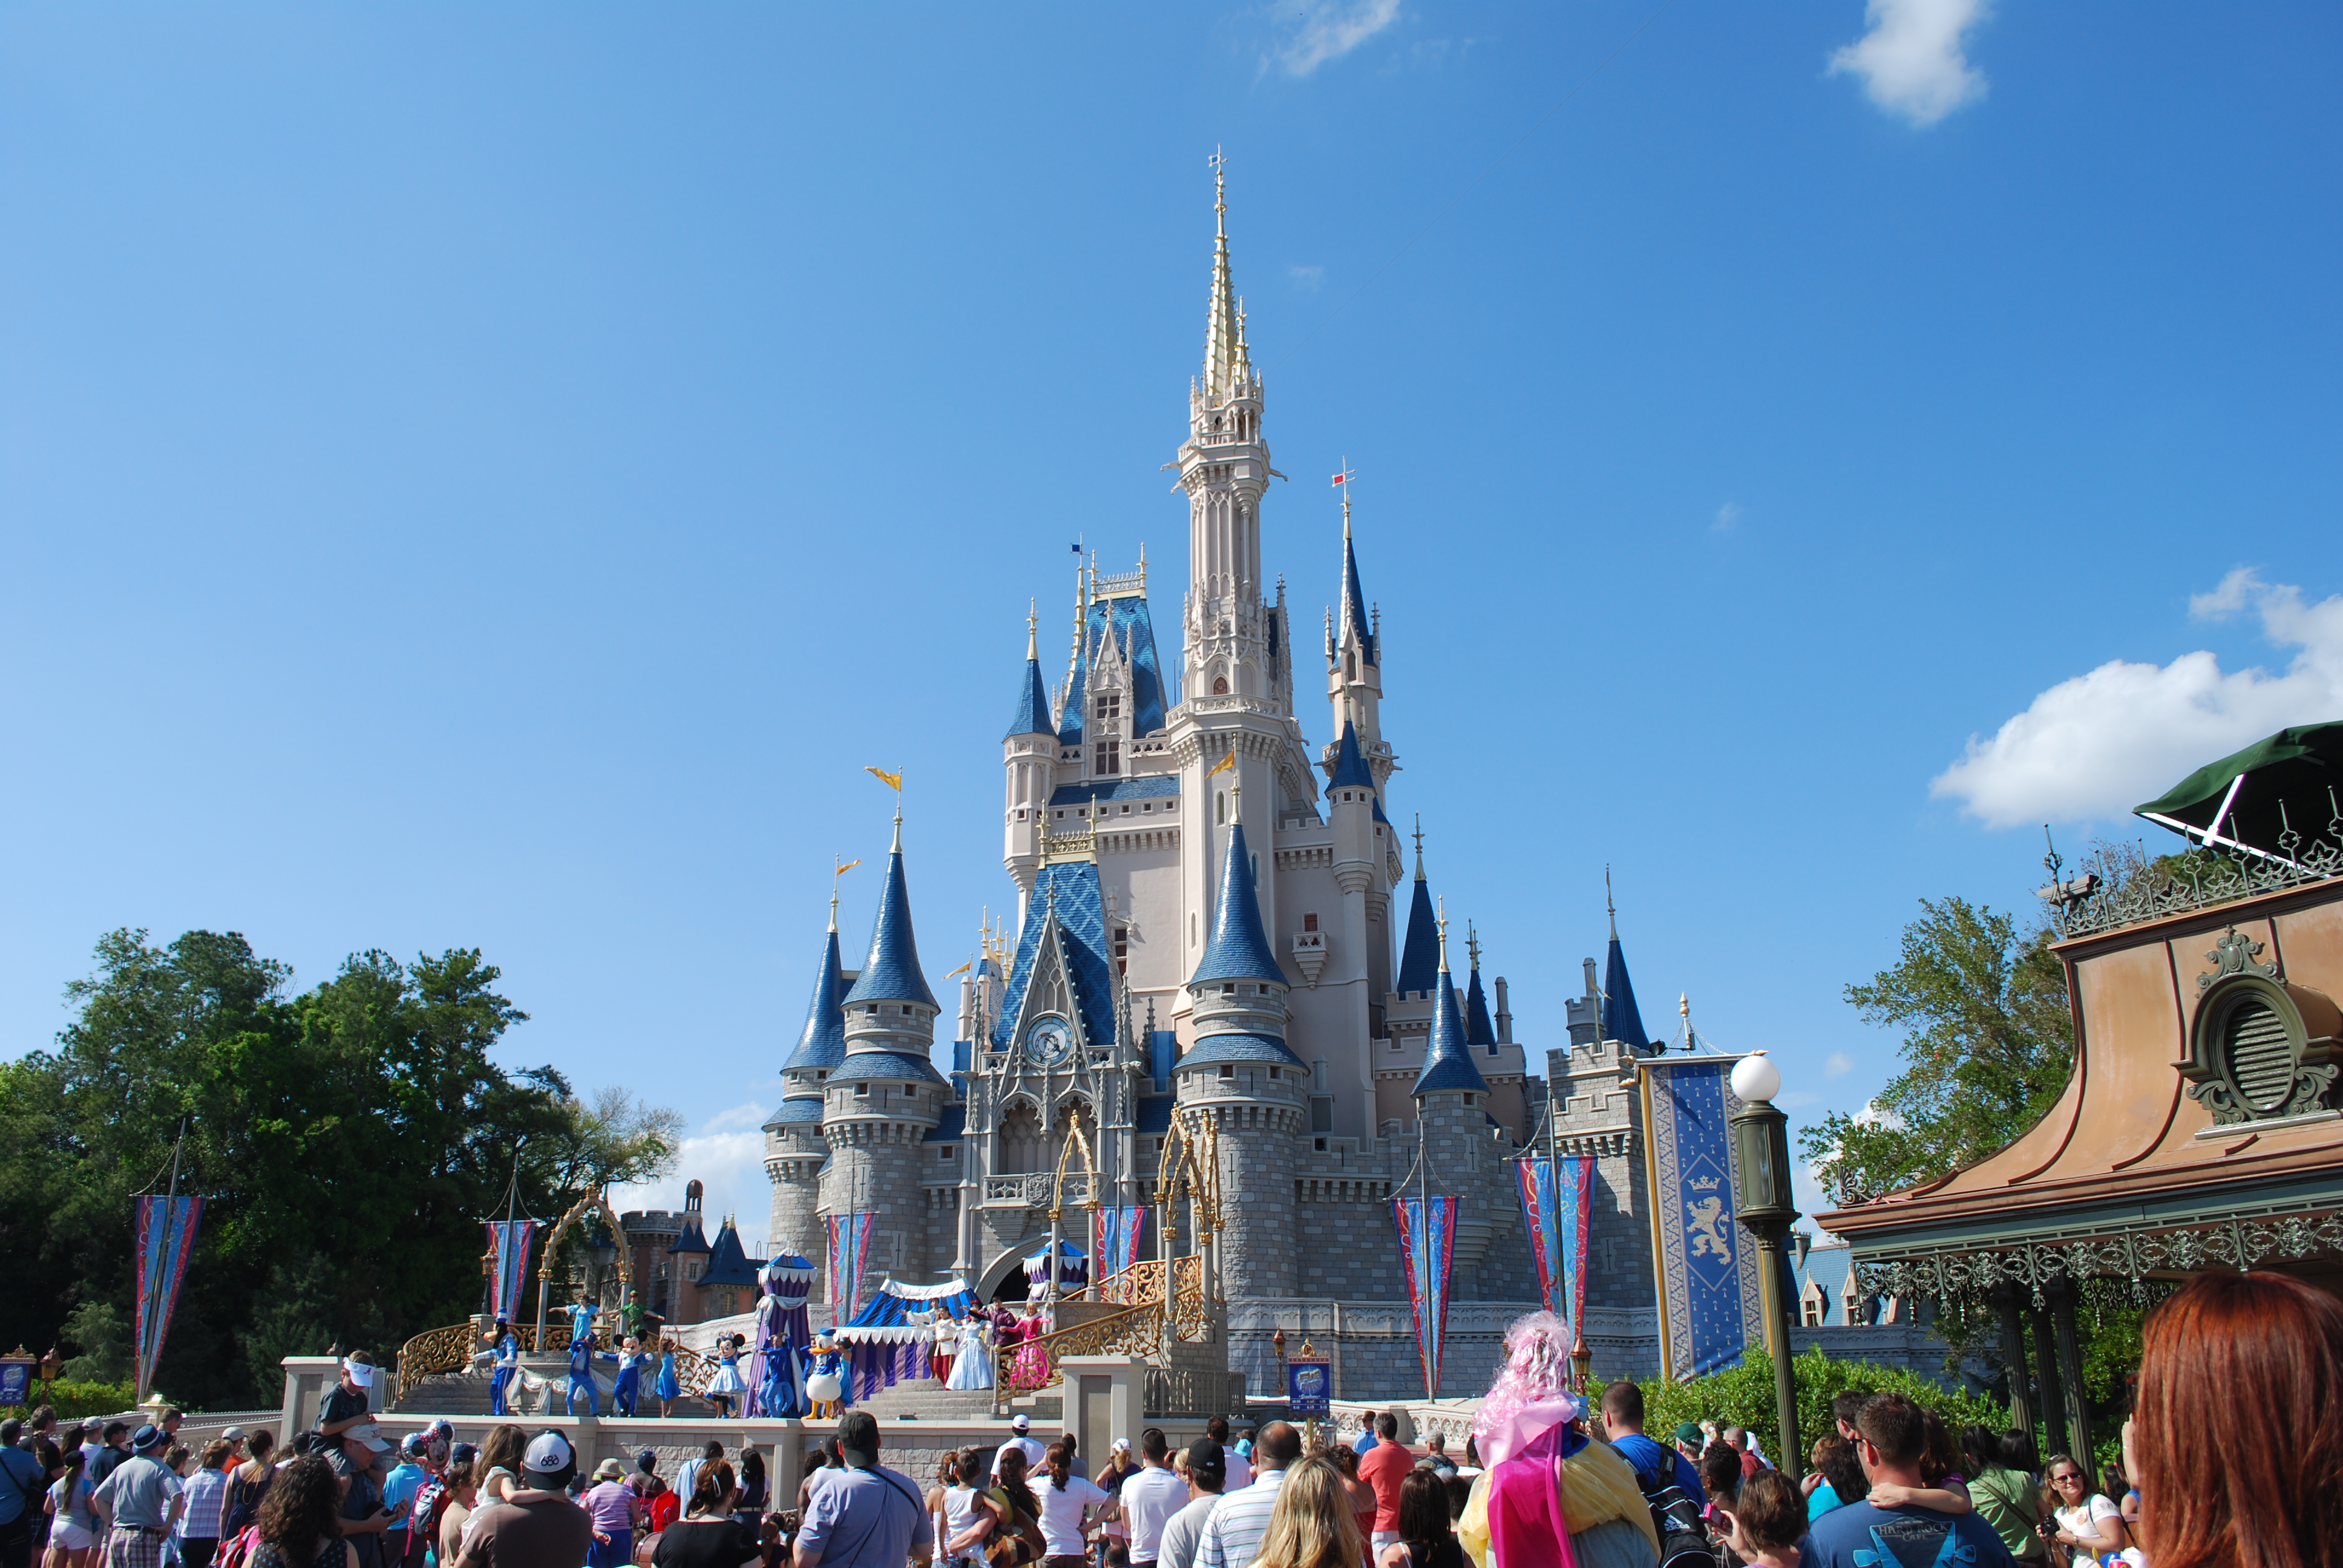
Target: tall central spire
1224	346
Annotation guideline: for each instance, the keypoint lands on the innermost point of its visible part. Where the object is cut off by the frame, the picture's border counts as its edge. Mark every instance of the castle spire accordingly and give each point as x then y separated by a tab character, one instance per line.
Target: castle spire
1224	350
1447	1059
891	971
1422	955
1622	1020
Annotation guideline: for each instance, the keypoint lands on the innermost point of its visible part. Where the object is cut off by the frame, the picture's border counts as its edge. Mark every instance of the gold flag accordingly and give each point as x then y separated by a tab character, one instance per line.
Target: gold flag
961	970
1225	763
841	871
892	781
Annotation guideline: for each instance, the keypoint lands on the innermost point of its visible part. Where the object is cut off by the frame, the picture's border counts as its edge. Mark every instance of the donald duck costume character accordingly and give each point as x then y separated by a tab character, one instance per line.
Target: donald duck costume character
826	1386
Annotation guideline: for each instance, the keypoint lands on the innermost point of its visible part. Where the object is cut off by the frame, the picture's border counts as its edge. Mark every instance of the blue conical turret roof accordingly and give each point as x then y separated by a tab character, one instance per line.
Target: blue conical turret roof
1478	1029
1354	602
1032	716
1419	957
1447	1059
891	972
1239	948
1350	766
728	1262
822	1042
1621	1020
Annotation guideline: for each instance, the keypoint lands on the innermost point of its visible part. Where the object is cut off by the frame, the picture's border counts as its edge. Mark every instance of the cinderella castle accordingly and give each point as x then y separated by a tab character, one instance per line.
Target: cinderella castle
1210	920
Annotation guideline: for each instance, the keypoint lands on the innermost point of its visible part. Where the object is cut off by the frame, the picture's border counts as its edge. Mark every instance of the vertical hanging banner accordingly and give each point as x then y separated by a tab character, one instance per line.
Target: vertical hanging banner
850	1257
1427	1253
508	1240
1710	1275
167	1239
1557	1209
1115	1238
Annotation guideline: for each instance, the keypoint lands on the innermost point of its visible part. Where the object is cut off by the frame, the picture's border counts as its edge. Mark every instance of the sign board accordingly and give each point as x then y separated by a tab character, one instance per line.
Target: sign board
16	1380
1310	1388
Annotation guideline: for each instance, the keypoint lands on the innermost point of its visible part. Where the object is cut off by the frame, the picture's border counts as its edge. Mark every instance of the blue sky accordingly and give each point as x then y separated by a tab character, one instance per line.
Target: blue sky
494	477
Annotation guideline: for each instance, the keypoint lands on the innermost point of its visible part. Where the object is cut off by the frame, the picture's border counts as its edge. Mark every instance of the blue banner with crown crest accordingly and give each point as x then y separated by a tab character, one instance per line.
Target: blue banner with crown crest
1711	1275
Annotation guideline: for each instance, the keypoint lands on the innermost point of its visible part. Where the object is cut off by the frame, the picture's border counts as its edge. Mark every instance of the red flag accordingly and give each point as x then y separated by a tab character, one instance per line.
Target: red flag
1340	477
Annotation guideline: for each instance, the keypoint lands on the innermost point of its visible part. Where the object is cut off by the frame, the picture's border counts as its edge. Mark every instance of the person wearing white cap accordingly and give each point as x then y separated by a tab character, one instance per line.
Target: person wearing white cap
347	1402
1023	1441
537	1525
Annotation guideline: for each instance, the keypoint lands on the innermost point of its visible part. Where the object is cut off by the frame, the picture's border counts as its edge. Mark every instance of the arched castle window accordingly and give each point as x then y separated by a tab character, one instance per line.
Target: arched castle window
1220	685
1220	806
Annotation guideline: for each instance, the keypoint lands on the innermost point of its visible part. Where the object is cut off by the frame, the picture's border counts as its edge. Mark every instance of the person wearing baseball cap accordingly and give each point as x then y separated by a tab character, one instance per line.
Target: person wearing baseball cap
537	1525
1023	1427
137	1501
1207	1466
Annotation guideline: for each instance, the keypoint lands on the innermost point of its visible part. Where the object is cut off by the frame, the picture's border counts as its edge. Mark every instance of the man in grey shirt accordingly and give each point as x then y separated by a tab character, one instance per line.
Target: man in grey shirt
863	1514
1184	1531
137	1501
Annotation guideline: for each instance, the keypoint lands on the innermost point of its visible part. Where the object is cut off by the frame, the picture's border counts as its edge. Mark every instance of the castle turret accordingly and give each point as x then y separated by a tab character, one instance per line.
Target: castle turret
1240	1071
885	1096
1452	1099
794	1148
1354	660
1622	1020
1028	754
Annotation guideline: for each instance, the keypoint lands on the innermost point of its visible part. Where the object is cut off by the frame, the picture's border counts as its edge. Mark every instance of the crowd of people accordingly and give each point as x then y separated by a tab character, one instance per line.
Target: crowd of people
2230	1460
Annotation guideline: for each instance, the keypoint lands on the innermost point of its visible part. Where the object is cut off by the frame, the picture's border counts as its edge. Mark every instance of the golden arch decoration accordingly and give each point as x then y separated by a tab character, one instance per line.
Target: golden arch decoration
1190	1167
1075	1139
593	1202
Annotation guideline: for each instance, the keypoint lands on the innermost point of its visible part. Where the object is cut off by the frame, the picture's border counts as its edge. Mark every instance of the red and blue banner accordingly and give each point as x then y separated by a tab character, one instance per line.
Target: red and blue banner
1427	1254
850	1260
1711	1282
167	1239
1115	1237
508	1240
1558	1208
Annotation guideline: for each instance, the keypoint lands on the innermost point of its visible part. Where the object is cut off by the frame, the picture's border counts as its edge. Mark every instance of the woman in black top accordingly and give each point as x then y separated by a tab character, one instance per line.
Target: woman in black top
708	1536
248	1485
300	1522
1426	1538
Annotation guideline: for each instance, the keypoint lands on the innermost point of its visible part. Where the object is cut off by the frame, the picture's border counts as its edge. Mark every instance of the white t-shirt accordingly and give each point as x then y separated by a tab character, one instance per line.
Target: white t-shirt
1150	1499
1033	1453
1062	1512
2082	1519
1239	1473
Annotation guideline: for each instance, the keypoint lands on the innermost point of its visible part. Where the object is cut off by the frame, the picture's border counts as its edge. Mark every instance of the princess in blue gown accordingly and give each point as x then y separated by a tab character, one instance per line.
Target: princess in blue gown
668	1387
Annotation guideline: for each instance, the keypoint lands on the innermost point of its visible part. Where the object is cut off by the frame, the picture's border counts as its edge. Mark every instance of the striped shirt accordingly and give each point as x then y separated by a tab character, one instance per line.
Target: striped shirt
1233	1534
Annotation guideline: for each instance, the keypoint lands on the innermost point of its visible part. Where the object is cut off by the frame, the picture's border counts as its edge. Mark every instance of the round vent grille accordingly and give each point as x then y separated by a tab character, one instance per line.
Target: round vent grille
2261	1059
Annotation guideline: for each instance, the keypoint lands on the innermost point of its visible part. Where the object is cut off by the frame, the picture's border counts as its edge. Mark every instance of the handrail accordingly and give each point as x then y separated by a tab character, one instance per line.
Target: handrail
1136	1330
437	1352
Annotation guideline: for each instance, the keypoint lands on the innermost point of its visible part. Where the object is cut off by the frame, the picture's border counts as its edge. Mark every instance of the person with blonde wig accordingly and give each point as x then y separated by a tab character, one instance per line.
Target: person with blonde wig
1552	1497
1313	1526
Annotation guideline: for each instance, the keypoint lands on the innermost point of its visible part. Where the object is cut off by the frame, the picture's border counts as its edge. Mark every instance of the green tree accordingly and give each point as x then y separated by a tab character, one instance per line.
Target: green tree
1989	1043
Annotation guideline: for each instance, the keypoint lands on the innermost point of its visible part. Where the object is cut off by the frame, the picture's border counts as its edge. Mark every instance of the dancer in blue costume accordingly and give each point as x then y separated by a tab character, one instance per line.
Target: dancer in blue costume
504	1351
582	1355
582	1313
629	1388
778	1369
669	1387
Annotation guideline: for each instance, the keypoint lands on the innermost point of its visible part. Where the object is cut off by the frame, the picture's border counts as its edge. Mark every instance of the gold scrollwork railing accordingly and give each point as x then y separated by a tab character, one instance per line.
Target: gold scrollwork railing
1189	1319
437	1352
1138	1331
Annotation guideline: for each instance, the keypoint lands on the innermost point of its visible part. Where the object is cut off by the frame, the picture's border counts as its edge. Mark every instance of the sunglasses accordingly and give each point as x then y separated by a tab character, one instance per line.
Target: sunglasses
2061	1480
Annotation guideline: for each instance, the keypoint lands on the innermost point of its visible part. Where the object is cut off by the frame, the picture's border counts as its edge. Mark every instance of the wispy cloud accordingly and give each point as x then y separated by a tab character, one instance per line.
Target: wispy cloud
1837	1064
1306	277
1911	60
2091	746
1313	32
1727	515
726	1155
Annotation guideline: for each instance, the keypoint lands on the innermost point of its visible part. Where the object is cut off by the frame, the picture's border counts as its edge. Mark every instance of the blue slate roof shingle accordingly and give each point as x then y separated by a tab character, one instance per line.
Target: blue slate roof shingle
1622	1021
891	972
691	1239
1216	1048
1350	766
727	1265
1354	601
822	1044
1447	1059
1070	888
1154	1114
1132	625
1238	950
865	1066
953	1128
793	1113
1478	1031
1032	715
1151	789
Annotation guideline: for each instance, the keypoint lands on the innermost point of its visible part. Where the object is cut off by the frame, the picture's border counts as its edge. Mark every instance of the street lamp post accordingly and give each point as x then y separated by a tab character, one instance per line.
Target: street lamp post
1760	1146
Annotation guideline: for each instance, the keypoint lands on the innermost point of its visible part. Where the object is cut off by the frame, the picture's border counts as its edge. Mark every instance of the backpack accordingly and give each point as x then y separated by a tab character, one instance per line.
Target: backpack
1675	1518
237	1550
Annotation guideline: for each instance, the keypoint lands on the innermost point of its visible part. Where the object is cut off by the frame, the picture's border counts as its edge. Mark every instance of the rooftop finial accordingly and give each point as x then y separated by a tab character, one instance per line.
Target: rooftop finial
1472	943
896	847
1444	935
1419	846
1032	628
1223	355
1609	907
1236	799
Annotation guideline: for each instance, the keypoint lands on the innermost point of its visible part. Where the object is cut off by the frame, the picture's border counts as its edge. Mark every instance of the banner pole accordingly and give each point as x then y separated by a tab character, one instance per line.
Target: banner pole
146	1357
1652	1185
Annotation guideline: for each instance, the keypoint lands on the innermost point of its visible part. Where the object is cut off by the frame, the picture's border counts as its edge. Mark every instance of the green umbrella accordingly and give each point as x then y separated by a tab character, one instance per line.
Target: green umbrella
2293	780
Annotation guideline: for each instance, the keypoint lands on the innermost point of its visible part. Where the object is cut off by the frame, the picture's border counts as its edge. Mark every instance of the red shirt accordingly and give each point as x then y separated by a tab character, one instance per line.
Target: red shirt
1749	1466
1383	1467
663	1510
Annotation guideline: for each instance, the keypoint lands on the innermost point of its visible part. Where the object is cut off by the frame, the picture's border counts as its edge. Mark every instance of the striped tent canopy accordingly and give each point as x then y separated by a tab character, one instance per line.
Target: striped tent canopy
887	1317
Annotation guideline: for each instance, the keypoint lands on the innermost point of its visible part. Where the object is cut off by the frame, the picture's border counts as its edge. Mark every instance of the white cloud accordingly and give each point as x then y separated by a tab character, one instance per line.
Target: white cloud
1838	1064
1911	61
1871	1116
2092	746
1726	516
1306	277
1317	31
726	1155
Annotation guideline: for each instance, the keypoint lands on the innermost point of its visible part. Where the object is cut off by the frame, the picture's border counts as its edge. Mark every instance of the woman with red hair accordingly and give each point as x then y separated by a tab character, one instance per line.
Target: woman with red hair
2240	1402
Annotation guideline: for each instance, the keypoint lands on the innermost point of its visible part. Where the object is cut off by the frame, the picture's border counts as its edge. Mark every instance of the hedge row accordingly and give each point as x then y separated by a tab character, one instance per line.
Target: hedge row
78	1401
1742	1396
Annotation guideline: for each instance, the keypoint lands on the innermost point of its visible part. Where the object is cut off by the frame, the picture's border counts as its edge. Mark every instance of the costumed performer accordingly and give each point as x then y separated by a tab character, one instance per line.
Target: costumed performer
778	1365
1552	1497
581	1313
943	1333
582	1356
669	1387
826	1384
727	1384
630	1385
504	1352
972	1367
1032	1364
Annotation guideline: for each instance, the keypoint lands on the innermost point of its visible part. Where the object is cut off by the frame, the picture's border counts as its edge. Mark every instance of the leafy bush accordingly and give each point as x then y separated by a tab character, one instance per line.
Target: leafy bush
1744	1396
78	1401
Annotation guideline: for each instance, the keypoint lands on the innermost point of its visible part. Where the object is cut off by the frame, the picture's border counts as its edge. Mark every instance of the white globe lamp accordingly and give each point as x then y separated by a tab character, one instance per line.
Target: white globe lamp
1756	1078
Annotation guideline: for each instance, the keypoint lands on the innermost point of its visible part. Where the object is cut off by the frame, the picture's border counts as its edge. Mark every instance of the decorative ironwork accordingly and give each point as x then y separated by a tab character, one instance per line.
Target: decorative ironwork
2202	877
2240	1241
1137	1330
1190	1311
